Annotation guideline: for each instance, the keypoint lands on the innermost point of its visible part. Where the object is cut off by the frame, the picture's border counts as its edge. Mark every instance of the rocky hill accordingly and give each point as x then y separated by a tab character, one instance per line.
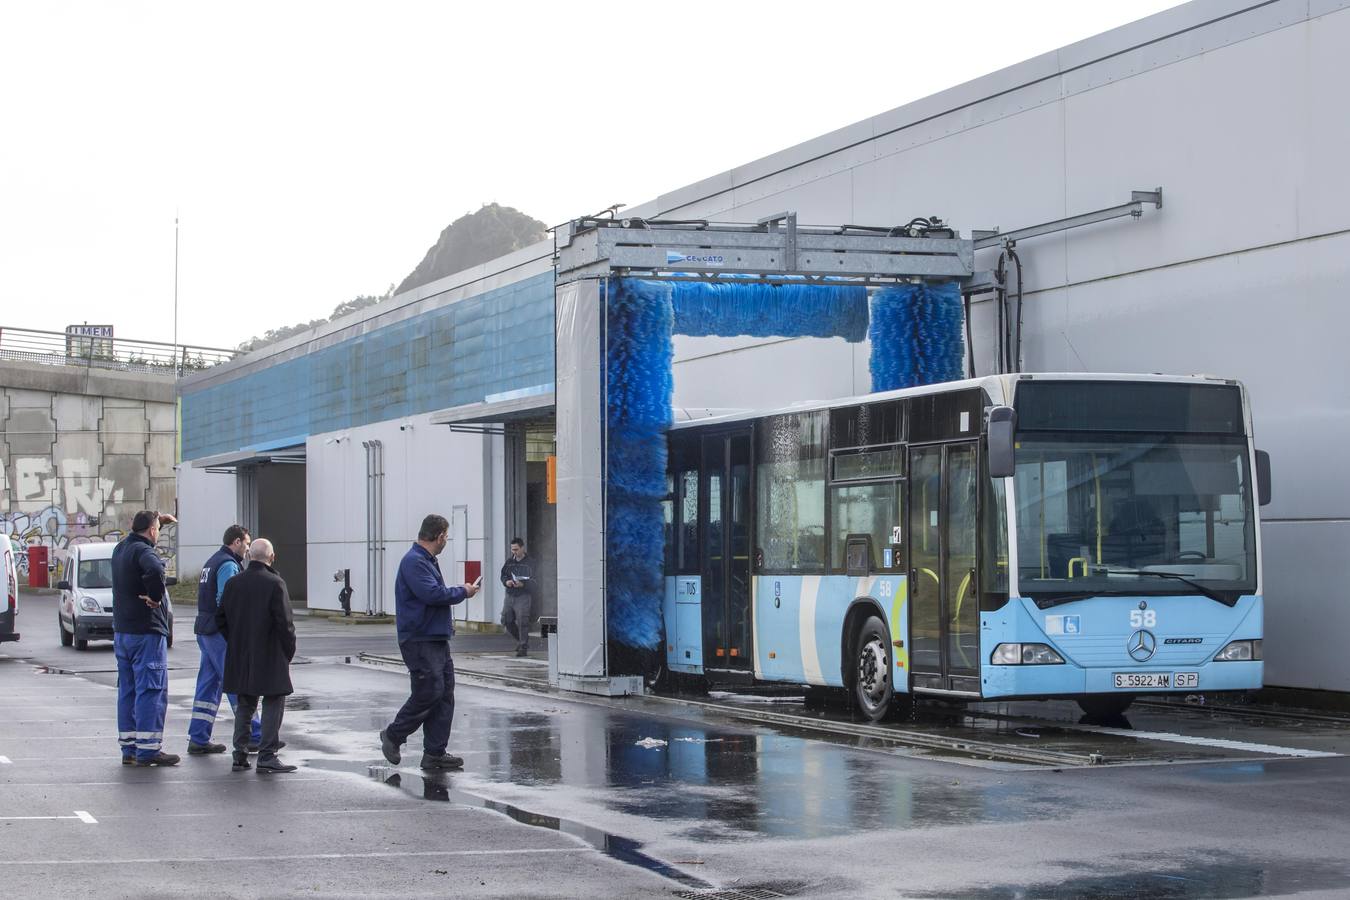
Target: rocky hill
471	239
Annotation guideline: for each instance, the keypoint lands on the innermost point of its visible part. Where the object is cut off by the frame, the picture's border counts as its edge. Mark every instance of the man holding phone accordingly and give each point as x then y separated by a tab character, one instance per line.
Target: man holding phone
422	602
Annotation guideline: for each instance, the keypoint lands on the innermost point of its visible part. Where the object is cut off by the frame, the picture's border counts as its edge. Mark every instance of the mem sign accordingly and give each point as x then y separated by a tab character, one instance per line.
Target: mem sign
88	340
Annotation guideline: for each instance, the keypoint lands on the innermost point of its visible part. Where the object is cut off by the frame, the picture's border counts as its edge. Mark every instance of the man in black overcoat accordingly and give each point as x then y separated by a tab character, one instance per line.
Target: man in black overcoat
255	617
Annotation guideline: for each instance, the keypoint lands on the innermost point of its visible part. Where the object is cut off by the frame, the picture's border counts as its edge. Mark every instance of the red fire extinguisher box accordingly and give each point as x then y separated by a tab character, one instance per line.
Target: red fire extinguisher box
37	567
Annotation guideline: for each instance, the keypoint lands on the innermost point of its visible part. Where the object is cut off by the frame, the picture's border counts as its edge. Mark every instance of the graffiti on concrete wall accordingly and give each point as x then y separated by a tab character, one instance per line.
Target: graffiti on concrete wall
75	468
72	485
53	527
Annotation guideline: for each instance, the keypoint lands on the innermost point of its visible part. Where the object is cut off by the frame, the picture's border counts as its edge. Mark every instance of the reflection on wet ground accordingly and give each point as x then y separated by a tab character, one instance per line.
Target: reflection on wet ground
1214	876
664	774
1055	732
439	787
1060	727
711	782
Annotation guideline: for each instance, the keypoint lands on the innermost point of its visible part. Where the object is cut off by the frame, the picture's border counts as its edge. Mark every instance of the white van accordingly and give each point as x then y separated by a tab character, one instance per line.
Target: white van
85	612
9	600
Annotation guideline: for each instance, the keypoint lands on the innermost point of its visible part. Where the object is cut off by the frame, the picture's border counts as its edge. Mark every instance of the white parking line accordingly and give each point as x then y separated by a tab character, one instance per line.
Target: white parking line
5	761
80	814
289	856
206	781
1220	743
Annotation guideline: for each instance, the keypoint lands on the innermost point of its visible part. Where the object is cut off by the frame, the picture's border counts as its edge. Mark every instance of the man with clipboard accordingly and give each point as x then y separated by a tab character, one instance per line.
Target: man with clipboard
517	575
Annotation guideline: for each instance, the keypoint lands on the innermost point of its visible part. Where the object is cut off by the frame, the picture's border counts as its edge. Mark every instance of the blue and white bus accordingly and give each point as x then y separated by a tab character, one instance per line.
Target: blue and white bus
864	543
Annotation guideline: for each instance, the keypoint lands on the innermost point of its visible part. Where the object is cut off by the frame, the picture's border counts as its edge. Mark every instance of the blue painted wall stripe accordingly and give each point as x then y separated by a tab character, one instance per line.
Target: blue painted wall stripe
500	340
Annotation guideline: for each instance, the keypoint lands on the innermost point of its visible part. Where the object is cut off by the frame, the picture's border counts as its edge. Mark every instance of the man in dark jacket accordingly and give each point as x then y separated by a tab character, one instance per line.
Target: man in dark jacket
517	576
255	618
140	643
422	609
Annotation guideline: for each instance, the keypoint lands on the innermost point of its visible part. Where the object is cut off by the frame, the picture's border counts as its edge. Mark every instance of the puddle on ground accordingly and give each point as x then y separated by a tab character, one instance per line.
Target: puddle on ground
710	783
1213	877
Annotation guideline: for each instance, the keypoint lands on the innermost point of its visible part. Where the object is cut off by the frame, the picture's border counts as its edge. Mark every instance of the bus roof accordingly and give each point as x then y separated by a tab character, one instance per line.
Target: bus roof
999	387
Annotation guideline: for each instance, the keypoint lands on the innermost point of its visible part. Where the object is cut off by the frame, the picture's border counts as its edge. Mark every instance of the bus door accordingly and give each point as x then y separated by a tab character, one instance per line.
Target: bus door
944	600
725	499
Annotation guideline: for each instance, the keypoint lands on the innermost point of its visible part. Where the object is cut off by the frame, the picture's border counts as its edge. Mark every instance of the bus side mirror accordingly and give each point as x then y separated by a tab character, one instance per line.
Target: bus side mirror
1002	424
1263	477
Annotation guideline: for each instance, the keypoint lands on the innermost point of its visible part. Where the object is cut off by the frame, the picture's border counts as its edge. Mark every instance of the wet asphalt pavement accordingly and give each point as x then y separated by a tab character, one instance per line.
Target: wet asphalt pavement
565	796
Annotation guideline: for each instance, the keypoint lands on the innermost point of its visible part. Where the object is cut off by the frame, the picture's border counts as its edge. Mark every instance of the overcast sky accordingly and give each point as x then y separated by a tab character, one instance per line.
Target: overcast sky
313	151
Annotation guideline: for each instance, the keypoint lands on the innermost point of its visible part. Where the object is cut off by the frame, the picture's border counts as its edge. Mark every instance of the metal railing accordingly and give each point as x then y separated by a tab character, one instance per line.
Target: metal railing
56	348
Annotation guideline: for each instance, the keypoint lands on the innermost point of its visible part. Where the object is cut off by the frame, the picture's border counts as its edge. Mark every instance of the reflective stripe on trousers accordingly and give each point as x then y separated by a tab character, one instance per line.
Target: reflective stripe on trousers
142	692
206	703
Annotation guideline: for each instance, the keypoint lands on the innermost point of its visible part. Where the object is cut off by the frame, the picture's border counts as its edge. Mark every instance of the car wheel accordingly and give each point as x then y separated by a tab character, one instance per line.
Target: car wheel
66	637
81	644
872	687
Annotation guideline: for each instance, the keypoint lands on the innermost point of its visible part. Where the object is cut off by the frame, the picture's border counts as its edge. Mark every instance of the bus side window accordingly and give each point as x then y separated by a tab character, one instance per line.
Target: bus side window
874	510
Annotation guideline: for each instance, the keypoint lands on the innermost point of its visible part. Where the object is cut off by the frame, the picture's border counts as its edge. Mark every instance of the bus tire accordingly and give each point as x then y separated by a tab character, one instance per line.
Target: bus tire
1104	706
871	673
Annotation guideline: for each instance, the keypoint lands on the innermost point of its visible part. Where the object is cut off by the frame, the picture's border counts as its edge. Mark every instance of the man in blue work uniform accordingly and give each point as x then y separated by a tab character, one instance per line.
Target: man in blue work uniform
422	608
223	565
140	642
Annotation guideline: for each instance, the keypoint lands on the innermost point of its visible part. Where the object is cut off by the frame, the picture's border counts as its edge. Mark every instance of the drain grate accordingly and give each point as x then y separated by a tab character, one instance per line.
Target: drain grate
743	893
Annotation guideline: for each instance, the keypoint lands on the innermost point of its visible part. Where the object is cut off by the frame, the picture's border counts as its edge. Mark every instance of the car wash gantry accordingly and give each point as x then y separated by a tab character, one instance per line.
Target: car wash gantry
625	286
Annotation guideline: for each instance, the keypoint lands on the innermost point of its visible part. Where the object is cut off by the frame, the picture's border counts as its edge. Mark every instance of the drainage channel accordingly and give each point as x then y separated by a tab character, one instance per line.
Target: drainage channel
1248	712
621	849
897	736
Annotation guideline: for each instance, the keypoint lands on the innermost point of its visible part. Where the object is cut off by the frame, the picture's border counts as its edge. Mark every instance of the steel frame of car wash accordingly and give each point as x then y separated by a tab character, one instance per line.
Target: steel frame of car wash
591	251
776	249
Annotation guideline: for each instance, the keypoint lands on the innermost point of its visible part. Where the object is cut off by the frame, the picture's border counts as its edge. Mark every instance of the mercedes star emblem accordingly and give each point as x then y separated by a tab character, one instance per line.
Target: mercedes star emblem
1141	646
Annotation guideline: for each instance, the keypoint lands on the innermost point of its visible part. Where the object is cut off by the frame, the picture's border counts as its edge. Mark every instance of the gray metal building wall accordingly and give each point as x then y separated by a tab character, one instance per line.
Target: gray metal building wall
1237	110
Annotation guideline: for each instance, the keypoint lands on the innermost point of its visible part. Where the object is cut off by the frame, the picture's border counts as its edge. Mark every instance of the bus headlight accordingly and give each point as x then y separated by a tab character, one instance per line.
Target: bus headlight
1025	655
1240	651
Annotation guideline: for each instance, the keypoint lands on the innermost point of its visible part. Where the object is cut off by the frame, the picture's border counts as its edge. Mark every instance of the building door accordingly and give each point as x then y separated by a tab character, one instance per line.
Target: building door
944	604
725	472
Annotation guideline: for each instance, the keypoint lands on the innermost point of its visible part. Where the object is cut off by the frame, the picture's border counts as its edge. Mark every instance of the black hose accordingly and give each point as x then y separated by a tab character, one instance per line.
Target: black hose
1017	339
970	341
1000	294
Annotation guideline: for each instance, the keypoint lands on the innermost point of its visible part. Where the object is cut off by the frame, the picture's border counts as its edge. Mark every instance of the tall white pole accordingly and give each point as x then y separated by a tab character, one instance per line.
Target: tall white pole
176	372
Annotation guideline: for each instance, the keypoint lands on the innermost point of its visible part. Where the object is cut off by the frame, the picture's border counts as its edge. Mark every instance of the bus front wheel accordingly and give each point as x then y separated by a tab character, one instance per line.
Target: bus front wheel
872	686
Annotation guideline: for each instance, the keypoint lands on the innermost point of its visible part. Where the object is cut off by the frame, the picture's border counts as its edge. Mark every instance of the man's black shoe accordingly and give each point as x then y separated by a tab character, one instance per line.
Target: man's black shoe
160	759
521	651
240	763
443	761
203	749
274	765
128	760
389	748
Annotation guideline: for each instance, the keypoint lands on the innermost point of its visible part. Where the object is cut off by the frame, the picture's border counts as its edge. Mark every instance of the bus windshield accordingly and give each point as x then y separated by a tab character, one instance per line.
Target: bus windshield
1134	514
